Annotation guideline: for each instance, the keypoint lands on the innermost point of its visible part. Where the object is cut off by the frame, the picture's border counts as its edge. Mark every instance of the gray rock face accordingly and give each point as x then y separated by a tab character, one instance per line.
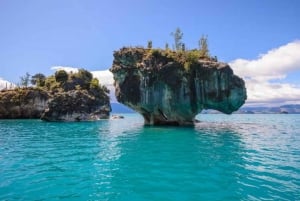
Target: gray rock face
165	92
22	103
76	106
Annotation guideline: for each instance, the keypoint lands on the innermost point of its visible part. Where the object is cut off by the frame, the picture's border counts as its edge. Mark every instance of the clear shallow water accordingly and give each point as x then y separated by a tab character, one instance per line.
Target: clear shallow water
237	157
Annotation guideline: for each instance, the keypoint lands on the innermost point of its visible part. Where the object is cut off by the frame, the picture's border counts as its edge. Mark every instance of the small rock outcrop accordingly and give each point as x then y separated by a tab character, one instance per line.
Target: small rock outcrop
61	97
171	88
23	103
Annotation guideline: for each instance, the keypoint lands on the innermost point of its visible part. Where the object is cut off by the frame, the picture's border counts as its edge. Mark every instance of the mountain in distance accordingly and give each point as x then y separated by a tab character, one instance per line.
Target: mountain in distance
284	109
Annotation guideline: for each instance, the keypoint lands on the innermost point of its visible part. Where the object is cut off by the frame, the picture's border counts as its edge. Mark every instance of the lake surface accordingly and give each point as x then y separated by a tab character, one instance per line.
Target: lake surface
236	157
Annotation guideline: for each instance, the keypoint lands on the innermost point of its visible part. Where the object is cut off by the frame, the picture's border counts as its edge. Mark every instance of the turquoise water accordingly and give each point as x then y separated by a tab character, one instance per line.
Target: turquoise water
237	157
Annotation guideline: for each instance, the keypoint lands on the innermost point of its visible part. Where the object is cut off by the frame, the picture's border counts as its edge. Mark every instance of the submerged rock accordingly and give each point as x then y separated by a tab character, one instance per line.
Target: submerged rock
114	116
170	90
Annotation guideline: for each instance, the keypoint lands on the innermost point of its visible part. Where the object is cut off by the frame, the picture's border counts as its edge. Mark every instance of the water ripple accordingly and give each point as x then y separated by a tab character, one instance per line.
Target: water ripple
244	157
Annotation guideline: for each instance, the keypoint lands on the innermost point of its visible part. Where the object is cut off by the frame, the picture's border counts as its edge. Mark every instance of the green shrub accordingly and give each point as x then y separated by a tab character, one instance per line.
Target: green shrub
192	56
61	76
50	83
38	79
94	84
83	78
187	65
85	75
156	53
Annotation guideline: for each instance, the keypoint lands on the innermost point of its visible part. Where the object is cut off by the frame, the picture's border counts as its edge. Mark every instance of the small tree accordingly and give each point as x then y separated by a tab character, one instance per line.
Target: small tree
85	75
85	78
149	45
61	76
203	47
183	47
24	80
167	46
51	83
38	80
177	39
94	84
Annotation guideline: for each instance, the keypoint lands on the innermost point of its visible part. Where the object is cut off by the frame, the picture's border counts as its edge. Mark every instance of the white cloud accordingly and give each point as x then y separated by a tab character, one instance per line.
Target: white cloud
66	68
105	77
4	84
264	76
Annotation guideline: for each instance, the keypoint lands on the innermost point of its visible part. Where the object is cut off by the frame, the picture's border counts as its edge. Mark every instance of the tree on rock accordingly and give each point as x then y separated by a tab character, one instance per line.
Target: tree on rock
61	76
203	47
167	46
177	39
149	45
38	80
25	80
85	77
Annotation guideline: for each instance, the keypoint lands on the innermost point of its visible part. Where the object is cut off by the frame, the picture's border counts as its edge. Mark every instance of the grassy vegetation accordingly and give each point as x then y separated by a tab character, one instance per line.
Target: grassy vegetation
185	58
137	56
62	81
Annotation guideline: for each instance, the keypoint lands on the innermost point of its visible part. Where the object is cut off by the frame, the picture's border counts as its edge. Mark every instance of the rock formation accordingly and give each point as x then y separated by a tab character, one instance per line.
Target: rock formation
73	97
23	103
76	105
171	88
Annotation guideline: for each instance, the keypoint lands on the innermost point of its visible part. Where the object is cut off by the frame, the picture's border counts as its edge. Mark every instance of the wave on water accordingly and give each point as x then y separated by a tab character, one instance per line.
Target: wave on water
237	157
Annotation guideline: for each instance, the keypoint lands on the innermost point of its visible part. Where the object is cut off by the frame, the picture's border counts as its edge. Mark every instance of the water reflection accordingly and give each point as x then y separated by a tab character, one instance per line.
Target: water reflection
112	139
166	162
249	157
111	135
214	160
269	165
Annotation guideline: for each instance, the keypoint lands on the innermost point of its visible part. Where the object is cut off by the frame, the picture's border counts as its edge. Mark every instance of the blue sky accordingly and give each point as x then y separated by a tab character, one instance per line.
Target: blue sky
36	35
